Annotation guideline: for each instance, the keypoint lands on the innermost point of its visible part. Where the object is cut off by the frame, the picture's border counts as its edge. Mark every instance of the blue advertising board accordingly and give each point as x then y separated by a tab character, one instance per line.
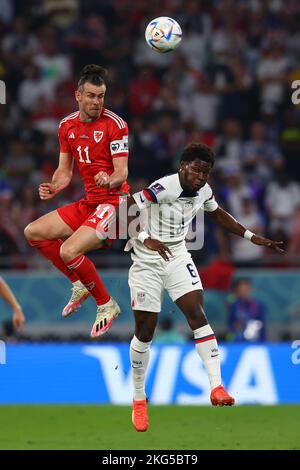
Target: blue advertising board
93	373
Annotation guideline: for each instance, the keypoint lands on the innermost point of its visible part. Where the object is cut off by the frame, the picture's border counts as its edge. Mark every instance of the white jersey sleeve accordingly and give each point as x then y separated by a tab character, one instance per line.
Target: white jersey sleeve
210	204
165	189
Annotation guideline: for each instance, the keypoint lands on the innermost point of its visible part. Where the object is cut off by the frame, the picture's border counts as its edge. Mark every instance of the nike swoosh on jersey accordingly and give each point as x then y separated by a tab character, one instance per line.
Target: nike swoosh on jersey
194	283
142	200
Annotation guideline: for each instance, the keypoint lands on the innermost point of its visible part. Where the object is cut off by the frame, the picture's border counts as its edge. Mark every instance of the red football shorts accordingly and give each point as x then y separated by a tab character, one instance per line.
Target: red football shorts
95	215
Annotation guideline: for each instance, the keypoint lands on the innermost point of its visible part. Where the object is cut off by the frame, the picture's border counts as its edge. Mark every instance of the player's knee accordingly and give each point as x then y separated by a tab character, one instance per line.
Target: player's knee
145	333
67	252
145	337
31	232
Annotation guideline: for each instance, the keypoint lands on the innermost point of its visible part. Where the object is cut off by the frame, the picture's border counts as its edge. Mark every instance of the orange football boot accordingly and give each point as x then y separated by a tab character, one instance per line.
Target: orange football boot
140	415
219	397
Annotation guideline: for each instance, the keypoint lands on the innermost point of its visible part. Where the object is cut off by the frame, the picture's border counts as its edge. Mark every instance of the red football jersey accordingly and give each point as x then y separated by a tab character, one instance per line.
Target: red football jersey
94	145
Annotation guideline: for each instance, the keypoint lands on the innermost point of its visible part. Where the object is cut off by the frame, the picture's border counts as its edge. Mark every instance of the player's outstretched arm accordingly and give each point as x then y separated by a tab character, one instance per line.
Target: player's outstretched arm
60	179
9	297
225	220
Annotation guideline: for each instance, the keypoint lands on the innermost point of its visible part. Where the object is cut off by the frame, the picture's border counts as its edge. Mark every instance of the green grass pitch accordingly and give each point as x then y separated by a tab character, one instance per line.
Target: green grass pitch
171	427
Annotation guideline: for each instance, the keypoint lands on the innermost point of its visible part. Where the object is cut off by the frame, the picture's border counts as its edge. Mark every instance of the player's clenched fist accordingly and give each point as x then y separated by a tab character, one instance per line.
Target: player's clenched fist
46	191
102	179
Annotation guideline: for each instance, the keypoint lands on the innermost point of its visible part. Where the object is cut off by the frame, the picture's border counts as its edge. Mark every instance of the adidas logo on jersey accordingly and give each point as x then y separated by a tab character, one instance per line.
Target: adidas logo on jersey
72	135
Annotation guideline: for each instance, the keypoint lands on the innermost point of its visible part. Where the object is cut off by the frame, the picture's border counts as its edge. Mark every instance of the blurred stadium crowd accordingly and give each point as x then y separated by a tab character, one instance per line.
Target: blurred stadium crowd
228	85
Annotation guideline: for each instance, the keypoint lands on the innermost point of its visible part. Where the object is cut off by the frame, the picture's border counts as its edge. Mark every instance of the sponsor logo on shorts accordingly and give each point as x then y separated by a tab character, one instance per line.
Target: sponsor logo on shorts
141	297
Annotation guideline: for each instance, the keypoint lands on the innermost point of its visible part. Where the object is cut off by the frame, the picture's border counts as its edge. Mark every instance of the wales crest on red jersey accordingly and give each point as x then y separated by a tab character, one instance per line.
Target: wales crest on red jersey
98	136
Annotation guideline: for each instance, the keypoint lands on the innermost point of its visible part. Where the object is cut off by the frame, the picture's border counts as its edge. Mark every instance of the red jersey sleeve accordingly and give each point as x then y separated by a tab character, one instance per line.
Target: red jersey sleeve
63	140
118	140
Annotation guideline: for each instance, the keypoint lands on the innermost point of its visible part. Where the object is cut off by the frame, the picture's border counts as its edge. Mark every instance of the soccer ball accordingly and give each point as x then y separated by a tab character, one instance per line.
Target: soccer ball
163	34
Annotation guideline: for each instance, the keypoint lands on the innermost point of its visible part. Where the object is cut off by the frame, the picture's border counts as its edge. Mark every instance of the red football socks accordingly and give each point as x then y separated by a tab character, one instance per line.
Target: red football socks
86	271
50	249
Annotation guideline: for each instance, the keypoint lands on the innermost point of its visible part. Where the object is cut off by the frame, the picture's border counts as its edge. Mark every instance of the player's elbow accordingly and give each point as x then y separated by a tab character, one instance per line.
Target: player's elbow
32	232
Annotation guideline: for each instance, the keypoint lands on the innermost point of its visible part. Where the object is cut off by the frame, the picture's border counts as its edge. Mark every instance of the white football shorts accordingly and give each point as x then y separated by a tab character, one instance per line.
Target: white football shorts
148	280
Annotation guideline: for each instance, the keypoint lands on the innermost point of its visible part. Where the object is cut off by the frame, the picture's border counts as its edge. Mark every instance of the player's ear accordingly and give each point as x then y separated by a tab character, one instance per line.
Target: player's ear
77	95
182	166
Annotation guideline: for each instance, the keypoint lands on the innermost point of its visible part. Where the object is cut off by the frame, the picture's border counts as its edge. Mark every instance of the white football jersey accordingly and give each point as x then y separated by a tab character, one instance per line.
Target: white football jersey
167	211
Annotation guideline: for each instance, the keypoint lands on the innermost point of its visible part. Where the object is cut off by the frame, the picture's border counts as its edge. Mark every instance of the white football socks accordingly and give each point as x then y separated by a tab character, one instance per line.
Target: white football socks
139	358
207	348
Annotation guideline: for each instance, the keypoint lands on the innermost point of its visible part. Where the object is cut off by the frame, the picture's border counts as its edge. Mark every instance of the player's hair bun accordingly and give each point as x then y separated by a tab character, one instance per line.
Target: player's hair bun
93	69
